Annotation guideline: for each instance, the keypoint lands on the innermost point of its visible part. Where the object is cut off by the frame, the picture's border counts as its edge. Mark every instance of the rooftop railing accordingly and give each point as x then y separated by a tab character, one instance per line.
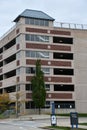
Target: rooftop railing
70	25
5	34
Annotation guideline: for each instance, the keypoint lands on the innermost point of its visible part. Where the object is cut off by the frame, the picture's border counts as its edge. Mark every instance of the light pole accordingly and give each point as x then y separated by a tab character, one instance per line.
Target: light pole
17	98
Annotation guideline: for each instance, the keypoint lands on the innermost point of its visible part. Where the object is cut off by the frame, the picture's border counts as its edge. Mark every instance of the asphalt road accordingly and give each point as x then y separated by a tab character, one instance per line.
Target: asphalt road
22	125
17	127
29	125
11	127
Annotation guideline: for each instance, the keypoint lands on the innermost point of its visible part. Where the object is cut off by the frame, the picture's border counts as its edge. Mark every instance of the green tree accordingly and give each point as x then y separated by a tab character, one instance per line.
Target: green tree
38	87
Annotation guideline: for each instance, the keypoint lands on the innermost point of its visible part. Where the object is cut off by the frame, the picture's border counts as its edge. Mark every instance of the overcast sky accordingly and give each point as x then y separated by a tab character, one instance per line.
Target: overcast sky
69	11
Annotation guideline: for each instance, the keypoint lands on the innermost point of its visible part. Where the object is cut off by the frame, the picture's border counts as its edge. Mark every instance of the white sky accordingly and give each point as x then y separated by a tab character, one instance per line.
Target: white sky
69	11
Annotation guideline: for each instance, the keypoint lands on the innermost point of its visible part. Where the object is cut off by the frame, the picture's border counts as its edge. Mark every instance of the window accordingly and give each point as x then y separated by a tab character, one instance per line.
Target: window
57	55
30	70
10	89
1	77
62	71
10	44
37	54
36	22
20	70
1	91
1	50
42	22
28	87
18	87
65	104
1	63
18	39
10	59
47	87
63	87
46	23
29	105
31	21
63	40
33	54
42	54
28	53
27	37
39	22
17	71
38	38
18	55
47	105
46	70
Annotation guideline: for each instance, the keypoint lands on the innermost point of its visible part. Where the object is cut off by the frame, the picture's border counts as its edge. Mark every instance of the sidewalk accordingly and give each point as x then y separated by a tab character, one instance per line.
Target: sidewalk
35	117
61	120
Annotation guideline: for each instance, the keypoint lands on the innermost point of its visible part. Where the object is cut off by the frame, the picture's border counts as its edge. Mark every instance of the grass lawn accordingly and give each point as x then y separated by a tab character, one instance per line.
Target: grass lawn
82	123
1	116
68	114
61	128
82	114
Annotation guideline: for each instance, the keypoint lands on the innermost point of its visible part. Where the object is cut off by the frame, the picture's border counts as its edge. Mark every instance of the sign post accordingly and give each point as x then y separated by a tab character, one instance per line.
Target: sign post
74	119
53	117
53	108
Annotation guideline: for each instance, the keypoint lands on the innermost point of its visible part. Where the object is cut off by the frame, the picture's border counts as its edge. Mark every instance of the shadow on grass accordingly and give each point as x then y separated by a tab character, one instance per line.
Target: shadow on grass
68	114
61	128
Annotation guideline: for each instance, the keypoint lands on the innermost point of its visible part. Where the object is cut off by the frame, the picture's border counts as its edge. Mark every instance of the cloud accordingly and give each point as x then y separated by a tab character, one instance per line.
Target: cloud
73	11
69	10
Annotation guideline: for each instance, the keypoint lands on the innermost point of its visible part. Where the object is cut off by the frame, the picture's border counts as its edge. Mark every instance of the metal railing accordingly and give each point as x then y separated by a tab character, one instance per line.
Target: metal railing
70	25
5	34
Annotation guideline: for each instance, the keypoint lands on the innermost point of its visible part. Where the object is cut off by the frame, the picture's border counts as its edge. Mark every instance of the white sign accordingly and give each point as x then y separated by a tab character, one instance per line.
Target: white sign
53	120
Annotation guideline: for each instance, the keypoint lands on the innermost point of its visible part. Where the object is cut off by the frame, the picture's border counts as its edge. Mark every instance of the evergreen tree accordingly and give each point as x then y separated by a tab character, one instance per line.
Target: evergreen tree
38	87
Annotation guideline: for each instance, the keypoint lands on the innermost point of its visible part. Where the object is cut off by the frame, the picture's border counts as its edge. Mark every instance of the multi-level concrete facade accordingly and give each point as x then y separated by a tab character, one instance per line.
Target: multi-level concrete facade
63	57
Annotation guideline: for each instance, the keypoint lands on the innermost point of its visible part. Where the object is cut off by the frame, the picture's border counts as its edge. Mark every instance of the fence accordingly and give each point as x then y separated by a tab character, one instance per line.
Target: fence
70	25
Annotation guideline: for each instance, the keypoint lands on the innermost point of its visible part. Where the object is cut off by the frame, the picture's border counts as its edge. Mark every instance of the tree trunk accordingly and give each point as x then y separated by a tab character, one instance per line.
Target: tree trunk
39	110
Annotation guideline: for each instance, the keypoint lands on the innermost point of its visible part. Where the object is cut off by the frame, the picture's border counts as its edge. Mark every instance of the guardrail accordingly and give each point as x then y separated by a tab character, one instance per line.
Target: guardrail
5	34
70	25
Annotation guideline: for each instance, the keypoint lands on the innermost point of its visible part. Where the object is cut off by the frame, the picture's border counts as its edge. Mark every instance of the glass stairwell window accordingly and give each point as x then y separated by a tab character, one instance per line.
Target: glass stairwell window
46	70
37	54
39	22
32	70
37	38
